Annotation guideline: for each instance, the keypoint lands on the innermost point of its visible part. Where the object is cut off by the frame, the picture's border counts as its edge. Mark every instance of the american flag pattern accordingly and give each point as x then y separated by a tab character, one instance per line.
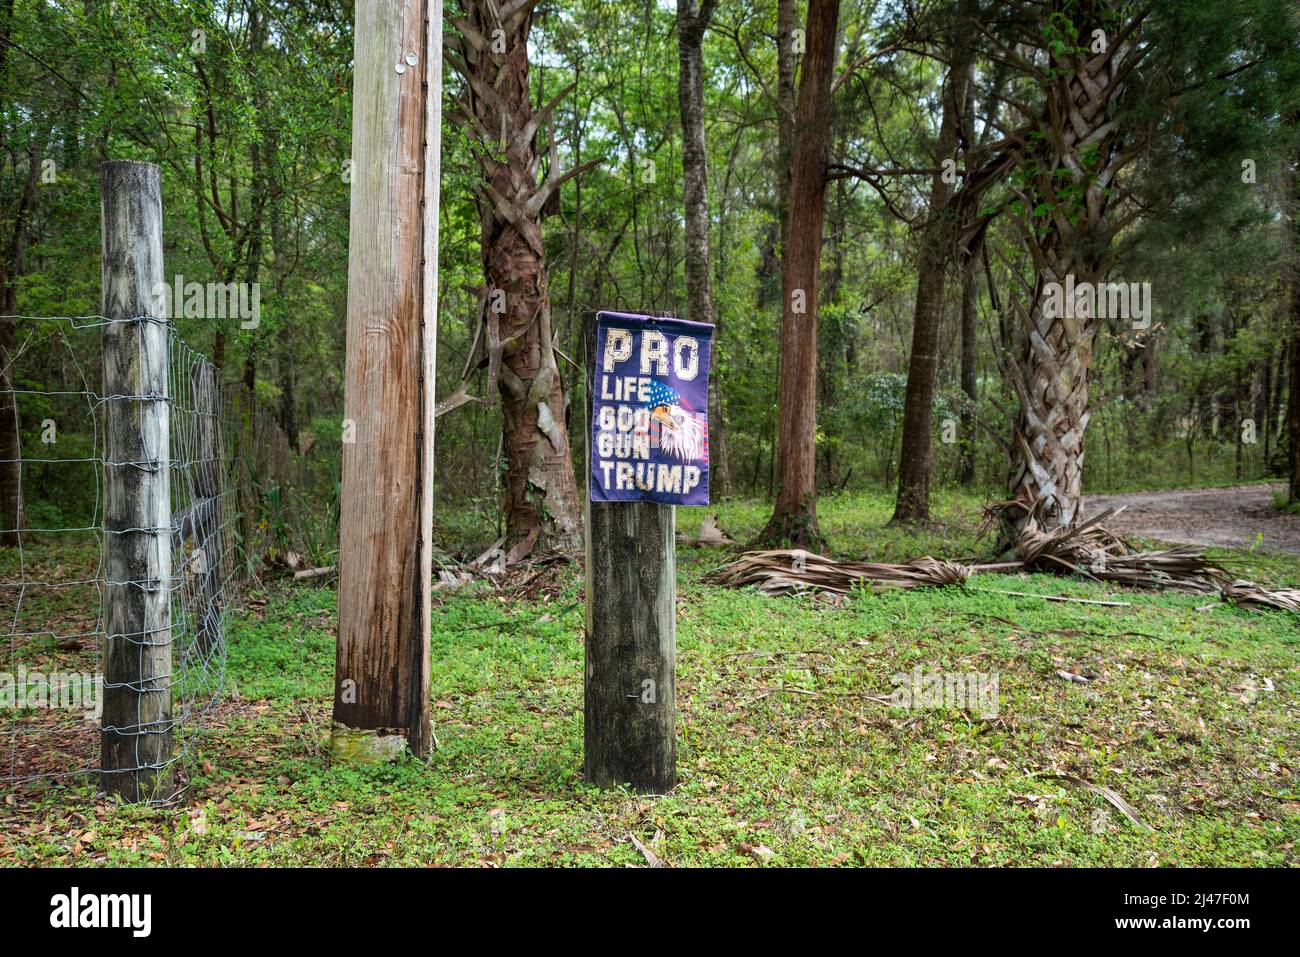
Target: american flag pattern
676	427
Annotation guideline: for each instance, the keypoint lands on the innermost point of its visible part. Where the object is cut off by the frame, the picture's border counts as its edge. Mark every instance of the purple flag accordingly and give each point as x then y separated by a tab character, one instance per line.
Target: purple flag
650	410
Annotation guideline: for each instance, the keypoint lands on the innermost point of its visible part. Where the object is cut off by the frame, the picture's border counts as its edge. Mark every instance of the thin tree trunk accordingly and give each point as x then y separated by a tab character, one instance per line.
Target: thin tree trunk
970	253
969	353
774	241
1263	416
286	365
692	20
915	458
257	192
12	512
1293	352
11	501
794	518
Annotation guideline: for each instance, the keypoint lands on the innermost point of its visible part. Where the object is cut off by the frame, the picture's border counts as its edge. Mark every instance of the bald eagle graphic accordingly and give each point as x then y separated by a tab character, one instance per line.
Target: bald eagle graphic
681	432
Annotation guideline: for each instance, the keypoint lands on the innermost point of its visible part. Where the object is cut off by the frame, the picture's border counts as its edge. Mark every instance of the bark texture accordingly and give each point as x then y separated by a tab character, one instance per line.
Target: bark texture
937	244
1293	351
1067	233
794	519
630	638
692	20
139	657
541	507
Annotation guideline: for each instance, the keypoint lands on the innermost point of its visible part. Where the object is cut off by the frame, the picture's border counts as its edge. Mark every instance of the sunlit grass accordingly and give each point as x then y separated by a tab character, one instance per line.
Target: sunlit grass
784	756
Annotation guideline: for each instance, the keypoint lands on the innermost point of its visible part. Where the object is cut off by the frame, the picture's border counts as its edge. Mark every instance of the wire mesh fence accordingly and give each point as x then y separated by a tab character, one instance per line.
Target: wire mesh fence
62	596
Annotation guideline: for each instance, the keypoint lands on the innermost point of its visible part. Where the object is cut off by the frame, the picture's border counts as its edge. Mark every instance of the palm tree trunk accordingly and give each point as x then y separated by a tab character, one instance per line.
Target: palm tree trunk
1067	235
541	506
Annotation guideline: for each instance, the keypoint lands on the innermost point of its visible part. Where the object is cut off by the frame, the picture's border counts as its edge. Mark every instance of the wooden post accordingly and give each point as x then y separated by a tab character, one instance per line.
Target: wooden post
136	735
381	683
629	689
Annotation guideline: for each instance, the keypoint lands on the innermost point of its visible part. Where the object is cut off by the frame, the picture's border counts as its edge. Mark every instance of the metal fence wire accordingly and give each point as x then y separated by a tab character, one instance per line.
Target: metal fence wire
55	582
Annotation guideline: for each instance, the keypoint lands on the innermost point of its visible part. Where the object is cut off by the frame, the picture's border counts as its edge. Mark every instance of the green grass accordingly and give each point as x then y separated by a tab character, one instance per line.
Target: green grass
782	757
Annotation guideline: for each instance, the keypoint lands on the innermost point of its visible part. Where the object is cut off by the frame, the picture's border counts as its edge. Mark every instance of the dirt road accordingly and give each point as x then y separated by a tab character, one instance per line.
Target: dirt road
1227	517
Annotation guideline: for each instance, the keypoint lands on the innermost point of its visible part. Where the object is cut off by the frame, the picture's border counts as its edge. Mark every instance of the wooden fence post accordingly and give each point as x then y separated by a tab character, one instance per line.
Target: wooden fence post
381	681
629	703
136	732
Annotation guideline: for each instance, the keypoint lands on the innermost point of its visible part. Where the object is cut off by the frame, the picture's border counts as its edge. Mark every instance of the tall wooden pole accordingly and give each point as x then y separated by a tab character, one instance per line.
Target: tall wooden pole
381	695
136	733
629	689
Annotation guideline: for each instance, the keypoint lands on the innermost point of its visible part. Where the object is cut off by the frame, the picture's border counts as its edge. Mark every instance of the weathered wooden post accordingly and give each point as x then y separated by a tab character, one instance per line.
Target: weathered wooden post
629	688
381	682
136	733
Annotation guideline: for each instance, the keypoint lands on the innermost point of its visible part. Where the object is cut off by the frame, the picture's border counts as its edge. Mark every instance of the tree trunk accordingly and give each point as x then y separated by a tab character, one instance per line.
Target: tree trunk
969	352
692	21
282	256
12	513
774	240
915	458
1293	351
794	519
970	253
248	472
11	500
11	504
541	506
1067	236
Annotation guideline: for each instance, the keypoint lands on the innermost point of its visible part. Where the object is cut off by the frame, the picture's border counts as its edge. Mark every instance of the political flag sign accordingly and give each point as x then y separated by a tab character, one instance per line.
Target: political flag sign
650	410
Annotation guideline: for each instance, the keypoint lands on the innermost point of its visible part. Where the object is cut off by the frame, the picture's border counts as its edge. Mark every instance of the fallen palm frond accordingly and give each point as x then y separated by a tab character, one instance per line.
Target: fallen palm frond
1245	594
1179	569
1111	796
791	571
1088	544
1089	550
1065	598
1093	551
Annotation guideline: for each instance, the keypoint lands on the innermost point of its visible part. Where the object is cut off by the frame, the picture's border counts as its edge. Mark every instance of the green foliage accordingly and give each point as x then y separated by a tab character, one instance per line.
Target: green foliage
781	744
252	128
